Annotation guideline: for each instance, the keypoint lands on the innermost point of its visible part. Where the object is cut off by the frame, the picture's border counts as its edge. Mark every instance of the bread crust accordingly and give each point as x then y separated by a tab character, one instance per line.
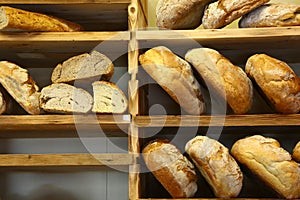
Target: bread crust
2	104
274	165
296	152
277	81
19	84
229	82
180	14
223	12
175	76
32	21
272	15
217	166
173	170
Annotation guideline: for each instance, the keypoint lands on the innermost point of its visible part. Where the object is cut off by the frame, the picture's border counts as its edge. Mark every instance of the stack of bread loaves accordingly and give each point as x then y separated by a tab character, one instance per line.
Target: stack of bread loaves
185	14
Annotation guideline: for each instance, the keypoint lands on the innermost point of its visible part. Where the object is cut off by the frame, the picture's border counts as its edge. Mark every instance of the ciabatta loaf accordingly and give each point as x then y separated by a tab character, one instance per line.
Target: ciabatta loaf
274	165
173	170
296	152
19	84
90	67
64	98
108	98
228	81
277	80
272	15
25	20
175	76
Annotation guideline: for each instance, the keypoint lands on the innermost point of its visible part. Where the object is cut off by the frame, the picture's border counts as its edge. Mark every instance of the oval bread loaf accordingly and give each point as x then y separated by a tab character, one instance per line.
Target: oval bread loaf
2	104
296	152
217	166
274	165
173	170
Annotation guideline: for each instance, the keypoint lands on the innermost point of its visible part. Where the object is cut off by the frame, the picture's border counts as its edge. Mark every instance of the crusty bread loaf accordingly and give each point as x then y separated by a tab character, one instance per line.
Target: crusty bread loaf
223	12
25	20
274	165
108	98
272	15
64	98
180	14
2	104
296	152
217	166
173	170
175	76
20	86
277	81
228	81
90	67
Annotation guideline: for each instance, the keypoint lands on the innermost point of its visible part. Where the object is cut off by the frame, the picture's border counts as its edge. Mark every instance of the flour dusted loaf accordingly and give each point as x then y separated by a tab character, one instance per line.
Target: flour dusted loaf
223	12
108	98
228	81
14	18
89	67
272	15
274	165
180	14
296	152
173	170
19	84
175	76
277	81
217	166
64	98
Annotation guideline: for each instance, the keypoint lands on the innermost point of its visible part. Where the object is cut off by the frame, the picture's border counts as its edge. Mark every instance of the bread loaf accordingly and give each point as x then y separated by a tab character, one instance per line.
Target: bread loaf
274	165
175	76
217	166
2	104
64	98
21	19
277	81
223	12
19	84
108	98
272	15
228	81
180	14
89	67
296	152
173	170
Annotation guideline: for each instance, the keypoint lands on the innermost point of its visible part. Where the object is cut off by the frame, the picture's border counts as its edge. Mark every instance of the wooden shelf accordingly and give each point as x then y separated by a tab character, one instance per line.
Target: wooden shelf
64	160
226	121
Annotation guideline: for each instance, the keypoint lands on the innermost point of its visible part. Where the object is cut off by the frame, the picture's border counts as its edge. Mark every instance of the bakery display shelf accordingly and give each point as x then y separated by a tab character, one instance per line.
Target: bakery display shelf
64	160
218	120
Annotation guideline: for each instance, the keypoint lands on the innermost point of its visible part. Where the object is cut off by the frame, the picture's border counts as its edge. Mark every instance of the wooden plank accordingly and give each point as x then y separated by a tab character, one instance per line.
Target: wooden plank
64	1
229	120
61	160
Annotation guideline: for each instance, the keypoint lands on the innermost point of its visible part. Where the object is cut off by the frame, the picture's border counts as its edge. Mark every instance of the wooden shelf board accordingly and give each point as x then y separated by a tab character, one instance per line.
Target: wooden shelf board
65	1
229	120
61	160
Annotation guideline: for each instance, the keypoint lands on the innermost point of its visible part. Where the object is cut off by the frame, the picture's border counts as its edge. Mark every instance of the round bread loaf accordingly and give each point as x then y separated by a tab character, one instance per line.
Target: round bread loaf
277	81
296	152
173	170
217	166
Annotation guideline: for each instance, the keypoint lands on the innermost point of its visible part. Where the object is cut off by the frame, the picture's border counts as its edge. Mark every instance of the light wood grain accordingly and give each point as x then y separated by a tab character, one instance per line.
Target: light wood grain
229	120
56	160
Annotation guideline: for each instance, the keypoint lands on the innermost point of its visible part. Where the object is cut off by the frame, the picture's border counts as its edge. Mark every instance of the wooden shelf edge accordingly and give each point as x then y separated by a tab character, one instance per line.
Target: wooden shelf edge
65	1
64	160
229	120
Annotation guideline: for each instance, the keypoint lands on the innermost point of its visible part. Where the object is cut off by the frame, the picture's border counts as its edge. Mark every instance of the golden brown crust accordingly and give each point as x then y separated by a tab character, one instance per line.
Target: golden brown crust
296	152
26	20
277	81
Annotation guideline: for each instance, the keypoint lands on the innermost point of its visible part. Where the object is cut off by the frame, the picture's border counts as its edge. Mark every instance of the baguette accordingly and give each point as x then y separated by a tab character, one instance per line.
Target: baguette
175	76
272	15
277	81
19	84
229	82
173	170
296	152
274	165
25	20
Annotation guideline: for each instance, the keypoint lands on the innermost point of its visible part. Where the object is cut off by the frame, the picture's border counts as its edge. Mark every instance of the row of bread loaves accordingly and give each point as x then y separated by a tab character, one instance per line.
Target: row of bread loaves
186	14
263	156
62	96
224	80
